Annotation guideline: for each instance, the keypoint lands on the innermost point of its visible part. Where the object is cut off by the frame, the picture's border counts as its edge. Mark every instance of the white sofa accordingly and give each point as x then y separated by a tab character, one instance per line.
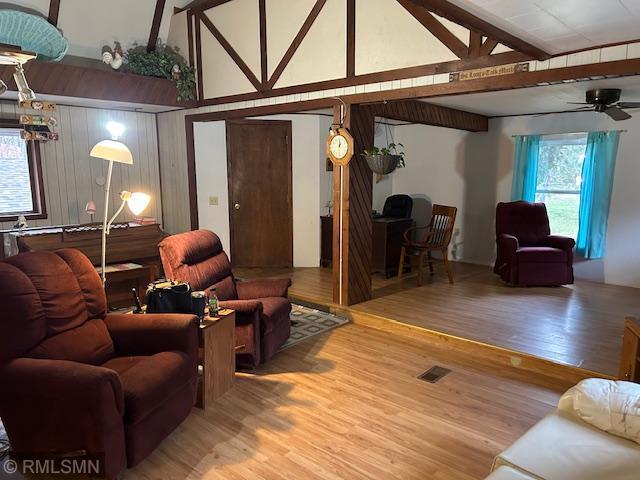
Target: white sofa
563	447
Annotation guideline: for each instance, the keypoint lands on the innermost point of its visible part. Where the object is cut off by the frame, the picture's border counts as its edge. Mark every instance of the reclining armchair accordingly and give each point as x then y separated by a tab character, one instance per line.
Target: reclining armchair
527	253
262	308
74	378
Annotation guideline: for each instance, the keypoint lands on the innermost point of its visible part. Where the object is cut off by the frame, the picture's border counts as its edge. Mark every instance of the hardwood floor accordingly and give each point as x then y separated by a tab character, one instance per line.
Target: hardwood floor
578	325
347	405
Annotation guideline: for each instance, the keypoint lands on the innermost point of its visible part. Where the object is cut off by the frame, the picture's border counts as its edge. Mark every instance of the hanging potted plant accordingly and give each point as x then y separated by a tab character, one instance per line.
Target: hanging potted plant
385	160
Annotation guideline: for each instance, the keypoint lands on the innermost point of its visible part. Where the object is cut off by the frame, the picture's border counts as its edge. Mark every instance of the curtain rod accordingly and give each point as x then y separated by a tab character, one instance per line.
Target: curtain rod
566	133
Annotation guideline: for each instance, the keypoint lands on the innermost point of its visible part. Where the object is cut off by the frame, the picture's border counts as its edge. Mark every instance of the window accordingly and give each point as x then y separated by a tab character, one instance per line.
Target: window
20	180
559	179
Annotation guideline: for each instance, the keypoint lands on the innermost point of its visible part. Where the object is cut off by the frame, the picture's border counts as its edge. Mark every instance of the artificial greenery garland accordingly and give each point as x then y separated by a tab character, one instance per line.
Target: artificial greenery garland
164	62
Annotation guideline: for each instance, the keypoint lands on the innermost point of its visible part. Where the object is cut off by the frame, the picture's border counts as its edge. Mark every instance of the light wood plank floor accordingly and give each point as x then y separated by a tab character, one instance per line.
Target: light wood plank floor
579	325
347	405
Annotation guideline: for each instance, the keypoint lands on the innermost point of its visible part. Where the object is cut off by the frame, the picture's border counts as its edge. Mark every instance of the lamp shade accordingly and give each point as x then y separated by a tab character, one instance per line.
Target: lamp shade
112	150
137	202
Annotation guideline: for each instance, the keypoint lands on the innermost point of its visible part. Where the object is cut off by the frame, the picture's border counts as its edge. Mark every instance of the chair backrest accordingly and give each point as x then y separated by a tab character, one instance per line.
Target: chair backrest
526	221
398	206
197	257
53	306
443	219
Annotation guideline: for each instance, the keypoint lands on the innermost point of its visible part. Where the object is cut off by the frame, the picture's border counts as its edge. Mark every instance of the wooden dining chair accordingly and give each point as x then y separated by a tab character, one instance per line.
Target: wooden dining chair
437	238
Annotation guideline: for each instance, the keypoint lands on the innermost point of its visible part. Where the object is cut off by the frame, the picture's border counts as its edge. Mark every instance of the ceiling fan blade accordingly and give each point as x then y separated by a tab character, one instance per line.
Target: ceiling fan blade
579	103
617	114
628	105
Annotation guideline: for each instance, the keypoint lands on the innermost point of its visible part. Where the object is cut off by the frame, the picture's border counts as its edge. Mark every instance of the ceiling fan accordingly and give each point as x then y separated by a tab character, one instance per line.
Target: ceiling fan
606	100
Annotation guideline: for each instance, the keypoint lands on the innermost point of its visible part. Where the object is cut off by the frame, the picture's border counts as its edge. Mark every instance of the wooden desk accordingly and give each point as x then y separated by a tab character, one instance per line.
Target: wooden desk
120	282
217	357
387	238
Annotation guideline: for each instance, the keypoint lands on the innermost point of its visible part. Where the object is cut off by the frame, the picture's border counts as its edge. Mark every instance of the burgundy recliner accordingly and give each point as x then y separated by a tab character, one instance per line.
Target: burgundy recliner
262	308
74	378
527	253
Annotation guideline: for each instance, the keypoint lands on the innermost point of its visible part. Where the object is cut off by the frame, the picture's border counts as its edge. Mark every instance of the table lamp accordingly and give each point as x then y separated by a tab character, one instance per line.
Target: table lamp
115	151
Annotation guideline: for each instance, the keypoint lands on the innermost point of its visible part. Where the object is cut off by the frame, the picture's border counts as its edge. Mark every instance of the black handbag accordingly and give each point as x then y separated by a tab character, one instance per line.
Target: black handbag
165	296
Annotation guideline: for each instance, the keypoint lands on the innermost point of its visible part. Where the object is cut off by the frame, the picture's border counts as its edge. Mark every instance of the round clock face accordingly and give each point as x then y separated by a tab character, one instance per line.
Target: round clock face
339	146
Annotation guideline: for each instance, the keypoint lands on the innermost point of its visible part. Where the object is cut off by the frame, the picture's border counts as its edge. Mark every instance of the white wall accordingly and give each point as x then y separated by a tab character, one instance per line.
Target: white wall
435	173
309	136
473	172
210	140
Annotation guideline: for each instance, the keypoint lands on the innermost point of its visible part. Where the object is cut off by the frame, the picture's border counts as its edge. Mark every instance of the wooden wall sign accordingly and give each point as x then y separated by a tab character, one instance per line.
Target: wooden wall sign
340	146
37	105
38	120
496	71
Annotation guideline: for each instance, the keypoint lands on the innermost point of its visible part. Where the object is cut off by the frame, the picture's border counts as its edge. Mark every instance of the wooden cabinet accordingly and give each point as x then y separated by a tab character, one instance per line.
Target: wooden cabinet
387	238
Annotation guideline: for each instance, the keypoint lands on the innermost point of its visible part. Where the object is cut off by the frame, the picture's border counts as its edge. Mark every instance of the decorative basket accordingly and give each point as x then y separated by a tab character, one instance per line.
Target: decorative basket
382	164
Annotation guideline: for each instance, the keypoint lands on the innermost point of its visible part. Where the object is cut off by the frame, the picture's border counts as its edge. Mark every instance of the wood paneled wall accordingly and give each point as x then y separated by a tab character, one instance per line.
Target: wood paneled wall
70	174
173	168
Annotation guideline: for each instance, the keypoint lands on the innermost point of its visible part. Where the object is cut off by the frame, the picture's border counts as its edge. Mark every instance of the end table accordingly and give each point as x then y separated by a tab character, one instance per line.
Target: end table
217	356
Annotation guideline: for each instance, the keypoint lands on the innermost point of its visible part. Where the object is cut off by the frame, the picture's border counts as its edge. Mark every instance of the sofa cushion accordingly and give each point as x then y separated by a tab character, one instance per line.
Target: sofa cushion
275	313
507	473
612	406
541	255
561	447
147	381
89	343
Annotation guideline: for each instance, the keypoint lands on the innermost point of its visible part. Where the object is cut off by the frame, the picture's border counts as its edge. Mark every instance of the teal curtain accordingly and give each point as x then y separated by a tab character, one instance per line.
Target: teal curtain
595	192
525	168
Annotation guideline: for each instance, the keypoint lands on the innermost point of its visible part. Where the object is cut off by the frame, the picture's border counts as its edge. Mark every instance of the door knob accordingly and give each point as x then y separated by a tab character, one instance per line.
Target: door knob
237	206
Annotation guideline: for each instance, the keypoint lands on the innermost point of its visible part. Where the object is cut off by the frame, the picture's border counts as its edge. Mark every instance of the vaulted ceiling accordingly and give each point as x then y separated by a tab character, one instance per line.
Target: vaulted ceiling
559	26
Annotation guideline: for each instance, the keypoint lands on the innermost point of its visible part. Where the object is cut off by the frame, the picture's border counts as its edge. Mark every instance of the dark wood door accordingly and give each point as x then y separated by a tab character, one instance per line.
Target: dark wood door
260	193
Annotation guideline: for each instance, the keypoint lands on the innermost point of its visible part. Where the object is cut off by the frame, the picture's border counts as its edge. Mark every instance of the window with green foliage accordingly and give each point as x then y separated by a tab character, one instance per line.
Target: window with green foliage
559	179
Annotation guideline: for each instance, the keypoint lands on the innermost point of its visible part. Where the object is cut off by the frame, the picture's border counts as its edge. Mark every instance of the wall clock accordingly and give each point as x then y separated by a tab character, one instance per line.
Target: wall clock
340	146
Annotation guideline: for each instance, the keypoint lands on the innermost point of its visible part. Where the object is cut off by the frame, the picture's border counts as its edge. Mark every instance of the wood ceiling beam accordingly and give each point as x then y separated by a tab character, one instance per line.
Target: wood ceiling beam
475	43
306	26
456	14
262	12
488	46
200	5
438	30
56	78
155	26
231	51
54	11
415	111
351	38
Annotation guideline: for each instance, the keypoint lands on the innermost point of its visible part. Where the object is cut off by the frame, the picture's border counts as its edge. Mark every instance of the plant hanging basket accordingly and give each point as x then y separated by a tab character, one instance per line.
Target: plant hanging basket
382	164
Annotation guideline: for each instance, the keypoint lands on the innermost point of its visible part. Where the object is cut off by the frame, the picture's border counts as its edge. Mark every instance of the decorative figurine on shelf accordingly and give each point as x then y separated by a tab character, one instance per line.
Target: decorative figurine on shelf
21	224
113	57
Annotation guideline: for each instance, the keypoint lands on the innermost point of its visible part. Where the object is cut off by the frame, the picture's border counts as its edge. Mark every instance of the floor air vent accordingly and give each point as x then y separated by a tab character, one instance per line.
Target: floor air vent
434	374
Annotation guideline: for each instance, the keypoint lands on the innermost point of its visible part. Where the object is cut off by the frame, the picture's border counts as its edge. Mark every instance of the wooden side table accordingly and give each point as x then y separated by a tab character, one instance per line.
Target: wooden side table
217	357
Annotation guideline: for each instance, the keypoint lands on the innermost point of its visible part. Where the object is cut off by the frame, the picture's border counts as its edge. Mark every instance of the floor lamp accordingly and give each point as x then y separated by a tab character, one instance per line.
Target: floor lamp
115	151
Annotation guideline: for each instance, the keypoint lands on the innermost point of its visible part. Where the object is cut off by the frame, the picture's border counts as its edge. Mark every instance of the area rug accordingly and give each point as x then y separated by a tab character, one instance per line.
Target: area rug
307	322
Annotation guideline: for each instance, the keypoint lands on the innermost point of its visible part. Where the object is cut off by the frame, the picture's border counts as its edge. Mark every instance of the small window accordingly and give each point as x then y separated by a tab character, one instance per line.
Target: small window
20	176
559	179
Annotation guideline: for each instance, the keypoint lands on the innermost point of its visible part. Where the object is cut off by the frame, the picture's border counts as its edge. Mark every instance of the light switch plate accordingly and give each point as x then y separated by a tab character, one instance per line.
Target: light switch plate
213	200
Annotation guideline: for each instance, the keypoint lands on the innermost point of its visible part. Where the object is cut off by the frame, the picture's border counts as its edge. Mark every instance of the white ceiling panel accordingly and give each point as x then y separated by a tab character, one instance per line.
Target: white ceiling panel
551	98
558	26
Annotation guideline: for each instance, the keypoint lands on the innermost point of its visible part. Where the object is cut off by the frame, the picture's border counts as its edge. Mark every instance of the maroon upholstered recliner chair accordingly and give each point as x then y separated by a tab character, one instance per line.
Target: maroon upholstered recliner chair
74	378
262	307
527	253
